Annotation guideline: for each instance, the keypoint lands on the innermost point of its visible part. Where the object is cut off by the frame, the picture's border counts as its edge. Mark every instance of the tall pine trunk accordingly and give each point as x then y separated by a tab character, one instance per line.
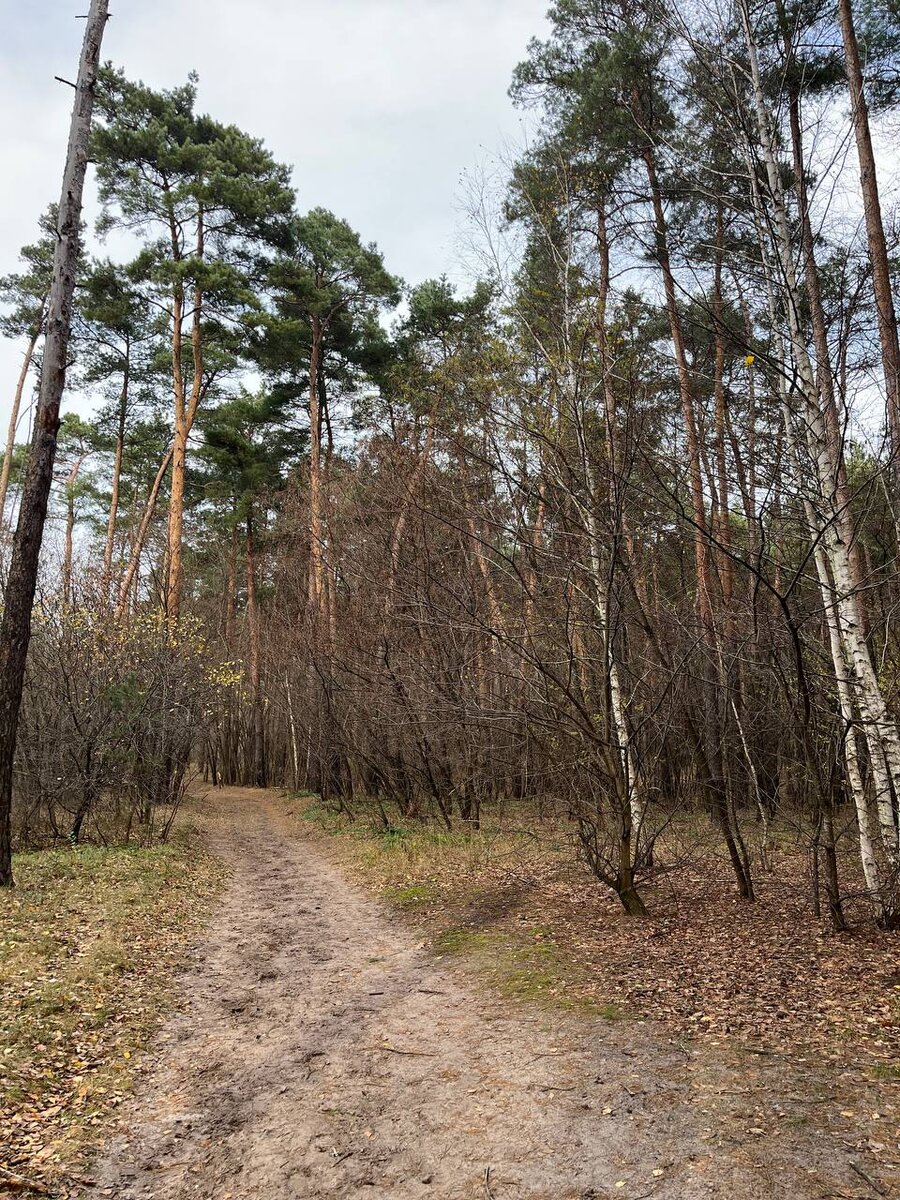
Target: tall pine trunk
116	478
257	756
15	628
135	557
878	253
186	406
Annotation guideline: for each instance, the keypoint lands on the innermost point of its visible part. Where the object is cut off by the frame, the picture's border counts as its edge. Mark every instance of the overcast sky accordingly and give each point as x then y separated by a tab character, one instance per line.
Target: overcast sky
379	105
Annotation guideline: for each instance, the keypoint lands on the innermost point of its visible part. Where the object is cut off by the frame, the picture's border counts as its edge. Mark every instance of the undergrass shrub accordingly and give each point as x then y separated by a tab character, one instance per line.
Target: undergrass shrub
112	711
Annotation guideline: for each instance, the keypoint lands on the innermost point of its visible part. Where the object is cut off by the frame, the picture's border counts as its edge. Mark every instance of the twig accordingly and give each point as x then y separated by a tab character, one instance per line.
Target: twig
867	1178
488	1194
67	82
23	1183
409	1053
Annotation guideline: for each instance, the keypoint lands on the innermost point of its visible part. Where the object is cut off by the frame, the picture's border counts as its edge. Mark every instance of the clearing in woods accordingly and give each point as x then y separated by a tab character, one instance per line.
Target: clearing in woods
321	1051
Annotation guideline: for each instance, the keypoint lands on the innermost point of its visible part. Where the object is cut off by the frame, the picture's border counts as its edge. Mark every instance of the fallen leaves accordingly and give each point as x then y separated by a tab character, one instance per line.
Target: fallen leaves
767	975
89	940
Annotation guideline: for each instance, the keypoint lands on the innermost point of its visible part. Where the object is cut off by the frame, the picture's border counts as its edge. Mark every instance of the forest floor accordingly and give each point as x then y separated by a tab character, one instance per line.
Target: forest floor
514	896
326	1047
90	941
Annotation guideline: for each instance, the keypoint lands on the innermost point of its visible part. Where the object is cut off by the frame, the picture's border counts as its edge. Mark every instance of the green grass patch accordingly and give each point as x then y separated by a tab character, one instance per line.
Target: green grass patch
611	1012
460	941
885	1071
381	841
310	808
522	969
529	983
413	895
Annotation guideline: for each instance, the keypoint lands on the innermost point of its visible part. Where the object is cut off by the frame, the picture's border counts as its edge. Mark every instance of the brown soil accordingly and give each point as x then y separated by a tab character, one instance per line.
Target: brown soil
320	1051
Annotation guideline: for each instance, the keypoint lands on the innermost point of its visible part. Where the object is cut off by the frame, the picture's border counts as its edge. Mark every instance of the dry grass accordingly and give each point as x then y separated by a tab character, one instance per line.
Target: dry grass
89	941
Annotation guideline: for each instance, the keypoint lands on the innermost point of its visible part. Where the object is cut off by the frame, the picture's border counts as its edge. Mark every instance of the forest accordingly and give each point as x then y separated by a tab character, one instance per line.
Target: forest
593	546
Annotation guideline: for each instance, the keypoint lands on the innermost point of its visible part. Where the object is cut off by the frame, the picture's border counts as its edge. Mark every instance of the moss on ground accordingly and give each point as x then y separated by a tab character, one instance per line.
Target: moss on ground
448	879
515	899
412	895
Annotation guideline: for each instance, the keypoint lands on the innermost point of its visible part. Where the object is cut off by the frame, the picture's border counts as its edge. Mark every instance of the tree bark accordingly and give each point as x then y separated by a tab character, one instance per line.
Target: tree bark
258	752
824	378
185	412
878	253
15	629
176	522
852	657
68	552
117	475
316	559
14	419
135	558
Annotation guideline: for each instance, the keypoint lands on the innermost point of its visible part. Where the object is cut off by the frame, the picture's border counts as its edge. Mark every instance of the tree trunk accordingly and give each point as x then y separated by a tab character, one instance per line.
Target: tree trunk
316	559
70	529
117	475
878	253
135	558
15	629
852	660
715	781
824	380
231	585
185	412
292	727
257	756
14	420
723	524
176	522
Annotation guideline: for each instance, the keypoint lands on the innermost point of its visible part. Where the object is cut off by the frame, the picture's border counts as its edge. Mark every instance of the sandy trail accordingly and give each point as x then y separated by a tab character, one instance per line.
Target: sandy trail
321	1052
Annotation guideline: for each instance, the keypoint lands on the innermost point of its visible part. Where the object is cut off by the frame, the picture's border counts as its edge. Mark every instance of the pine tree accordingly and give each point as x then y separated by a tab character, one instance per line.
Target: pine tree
208	200
328	290
119	339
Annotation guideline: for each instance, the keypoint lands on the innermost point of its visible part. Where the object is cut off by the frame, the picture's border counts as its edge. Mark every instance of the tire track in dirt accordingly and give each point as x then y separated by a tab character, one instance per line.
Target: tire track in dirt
320	1052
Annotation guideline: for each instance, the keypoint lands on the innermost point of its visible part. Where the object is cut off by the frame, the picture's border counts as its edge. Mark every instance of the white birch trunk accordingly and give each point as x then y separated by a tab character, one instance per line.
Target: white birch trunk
618	720
880	729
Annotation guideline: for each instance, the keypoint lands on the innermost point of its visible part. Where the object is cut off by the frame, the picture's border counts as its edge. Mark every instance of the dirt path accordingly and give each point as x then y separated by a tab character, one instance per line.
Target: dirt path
321	1052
